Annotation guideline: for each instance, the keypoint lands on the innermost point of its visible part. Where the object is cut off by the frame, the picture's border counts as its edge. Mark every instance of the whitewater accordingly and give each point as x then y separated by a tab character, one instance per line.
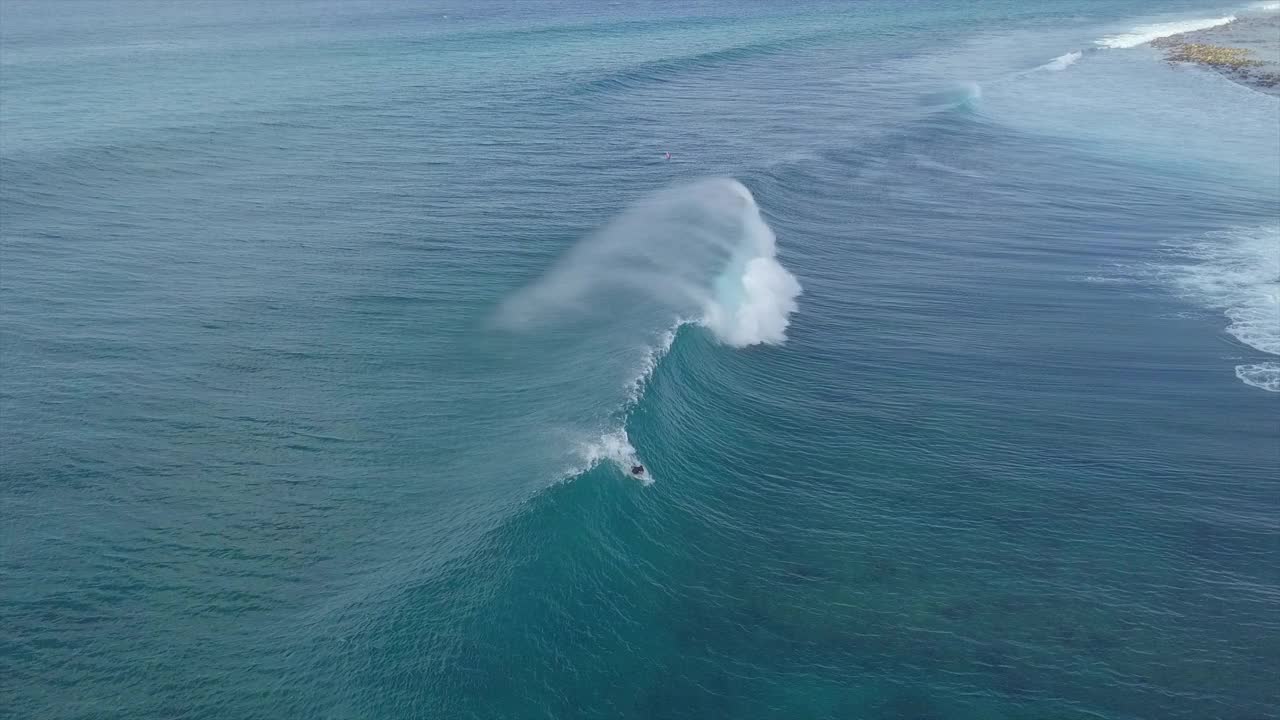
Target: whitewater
695	250
1143	34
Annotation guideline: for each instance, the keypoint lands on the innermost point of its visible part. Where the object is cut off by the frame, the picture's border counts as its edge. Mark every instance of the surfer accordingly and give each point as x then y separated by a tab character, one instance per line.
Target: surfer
667	155
637	470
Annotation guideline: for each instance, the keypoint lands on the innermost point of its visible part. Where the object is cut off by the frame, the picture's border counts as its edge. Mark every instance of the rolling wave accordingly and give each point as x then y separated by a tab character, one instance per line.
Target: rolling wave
1143	34
692	254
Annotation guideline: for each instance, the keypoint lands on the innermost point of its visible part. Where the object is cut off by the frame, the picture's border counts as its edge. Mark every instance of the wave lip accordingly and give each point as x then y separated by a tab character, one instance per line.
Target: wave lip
1143	34
755	295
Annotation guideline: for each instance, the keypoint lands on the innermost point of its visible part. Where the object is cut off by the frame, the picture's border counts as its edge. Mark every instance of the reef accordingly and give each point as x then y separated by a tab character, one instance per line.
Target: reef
1246	50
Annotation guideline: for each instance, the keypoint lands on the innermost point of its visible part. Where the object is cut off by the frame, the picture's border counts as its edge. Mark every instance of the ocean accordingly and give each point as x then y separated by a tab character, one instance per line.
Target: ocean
946	334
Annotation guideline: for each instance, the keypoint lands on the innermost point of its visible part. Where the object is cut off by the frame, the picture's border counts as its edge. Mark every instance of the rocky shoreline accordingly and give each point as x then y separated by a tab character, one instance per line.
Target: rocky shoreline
1246	50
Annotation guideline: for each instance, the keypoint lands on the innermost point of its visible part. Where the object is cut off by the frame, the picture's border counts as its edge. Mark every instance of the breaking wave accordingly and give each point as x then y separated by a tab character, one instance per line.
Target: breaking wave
693	254
961	96
1143	34
699	250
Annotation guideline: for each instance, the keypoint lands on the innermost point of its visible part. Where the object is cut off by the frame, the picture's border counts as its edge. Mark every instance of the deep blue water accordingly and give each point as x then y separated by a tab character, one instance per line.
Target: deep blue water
329	332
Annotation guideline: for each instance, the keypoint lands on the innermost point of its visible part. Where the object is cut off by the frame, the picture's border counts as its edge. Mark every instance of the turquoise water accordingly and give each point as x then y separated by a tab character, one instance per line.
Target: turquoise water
329	332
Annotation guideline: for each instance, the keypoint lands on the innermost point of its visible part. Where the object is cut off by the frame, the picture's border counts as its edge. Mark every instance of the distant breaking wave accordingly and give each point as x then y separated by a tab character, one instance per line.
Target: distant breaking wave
1238	272
1146	33
1062	62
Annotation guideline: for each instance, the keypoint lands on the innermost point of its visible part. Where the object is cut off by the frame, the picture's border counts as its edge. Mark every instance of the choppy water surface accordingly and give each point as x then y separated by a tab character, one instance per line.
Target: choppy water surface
329	333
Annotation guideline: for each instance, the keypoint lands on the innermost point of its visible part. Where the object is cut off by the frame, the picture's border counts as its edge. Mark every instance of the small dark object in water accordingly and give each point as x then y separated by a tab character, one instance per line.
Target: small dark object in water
637	470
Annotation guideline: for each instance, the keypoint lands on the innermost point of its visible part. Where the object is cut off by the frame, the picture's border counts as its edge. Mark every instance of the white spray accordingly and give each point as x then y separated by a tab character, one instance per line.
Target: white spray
699	250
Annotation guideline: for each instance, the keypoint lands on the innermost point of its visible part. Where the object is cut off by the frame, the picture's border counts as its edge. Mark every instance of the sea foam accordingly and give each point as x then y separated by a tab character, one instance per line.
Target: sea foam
1146	33
1238	272
1260	375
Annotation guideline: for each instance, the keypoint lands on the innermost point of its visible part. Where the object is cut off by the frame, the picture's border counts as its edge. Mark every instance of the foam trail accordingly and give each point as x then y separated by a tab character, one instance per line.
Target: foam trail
1265	6
1143	34
1238	272
1062	62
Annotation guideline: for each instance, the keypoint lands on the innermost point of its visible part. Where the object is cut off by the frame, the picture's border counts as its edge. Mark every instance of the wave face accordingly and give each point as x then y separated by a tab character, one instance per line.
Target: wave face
1143	34
1238	272
699	250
